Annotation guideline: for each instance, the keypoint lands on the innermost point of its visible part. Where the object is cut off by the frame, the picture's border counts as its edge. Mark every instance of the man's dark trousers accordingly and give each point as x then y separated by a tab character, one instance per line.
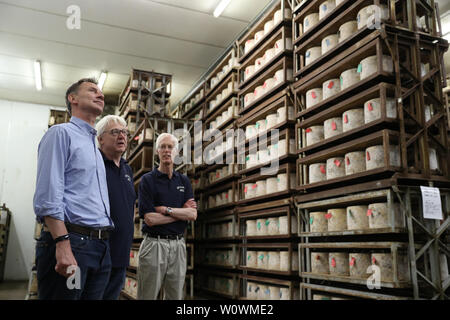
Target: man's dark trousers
94	262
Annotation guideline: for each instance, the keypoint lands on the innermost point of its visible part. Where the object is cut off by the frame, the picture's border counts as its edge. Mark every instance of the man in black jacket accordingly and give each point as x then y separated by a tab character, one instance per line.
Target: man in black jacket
112	141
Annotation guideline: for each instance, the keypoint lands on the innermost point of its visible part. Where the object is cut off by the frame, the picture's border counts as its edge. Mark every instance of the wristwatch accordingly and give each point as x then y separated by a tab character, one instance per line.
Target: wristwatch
169	211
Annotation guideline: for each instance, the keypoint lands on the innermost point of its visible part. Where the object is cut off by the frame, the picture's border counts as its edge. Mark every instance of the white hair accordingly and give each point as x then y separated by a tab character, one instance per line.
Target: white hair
165	135
105	121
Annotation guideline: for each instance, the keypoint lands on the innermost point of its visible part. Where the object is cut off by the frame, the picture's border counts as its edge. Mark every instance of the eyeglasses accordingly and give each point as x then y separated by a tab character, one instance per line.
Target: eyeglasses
116	132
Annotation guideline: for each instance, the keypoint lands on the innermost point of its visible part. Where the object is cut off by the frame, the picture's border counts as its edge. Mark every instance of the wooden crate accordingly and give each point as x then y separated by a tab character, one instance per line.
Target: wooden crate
270	209
142	162
247	282
218	255
259	26
213	117
220	284
386	138
193	102
265	142
285	64
221	72
308	290
365	198
290	248
284	34
221	226
213	103
210	207
268	173
395	249
383	91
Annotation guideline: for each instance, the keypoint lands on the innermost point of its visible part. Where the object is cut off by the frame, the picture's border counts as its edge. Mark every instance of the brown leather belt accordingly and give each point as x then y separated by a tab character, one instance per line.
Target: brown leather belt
93	233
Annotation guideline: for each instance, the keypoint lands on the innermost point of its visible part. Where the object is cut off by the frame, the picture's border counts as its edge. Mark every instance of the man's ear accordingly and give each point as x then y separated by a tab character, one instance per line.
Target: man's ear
71	98
100	141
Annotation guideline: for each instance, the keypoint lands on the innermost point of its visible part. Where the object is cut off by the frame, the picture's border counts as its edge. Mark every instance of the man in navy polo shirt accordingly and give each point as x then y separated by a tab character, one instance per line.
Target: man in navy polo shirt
112	140
166	203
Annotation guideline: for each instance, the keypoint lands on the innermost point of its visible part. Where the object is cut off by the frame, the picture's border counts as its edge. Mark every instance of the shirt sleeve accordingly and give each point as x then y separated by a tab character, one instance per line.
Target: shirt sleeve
189	194
53	153
146	202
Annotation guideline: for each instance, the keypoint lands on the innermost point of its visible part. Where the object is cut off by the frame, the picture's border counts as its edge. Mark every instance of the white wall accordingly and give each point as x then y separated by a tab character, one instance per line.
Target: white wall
22	126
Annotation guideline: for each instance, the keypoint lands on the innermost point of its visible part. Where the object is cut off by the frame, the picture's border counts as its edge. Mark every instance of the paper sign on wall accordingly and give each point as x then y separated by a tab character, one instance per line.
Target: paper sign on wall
431	201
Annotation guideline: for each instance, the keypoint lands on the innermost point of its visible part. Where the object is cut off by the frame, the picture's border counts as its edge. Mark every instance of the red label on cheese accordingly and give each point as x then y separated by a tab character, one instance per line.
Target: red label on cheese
333	125
308	130
245	189
345	119
369	212
348	161
368	156
217	174
136	138
265	85
352	262
337	163
330	84
328	215
313	95
333	262
254	186
322	169
369	106
374	260
226	196
276	45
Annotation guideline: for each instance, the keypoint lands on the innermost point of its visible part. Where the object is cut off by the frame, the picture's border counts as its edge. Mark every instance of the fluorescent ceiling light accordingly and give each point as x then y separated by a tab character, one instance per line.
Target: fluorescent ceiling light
220	7
37	75
101	80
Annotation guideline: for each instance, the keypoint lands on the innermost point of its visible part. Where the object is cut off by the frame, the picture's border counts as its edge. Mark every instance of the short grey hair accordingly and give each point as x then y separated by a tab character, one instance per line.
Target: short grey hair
165	135
105	121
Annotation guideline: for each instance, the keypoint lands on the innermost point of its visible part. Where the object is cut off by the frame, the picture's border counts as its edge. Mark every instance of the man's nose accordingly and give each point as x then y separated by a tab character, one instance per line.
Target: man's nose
100	95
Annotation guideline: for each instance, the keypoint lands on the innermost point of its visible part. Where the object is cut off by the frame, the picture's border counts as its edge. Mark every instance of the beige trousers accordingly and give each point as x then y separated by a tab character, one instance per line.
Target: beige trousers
162	263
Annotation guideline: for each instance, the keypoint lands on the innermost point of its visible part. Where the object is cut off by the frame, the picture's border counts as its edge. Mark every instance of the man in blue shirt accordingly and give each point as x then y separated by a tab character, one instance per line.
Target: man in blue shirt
166	203
112	140
71	199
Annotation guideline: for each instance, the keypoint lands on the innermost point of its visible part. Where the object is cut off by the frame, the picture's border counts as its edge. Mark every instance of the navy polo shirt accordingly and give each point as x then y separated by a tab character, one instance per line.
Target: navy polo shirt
122	198
156	189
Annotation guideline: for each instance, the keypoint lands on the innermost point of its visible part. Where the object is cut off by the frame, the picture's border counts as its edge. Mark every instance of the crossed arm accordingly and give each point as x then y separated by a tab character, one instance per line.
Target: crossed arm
187	213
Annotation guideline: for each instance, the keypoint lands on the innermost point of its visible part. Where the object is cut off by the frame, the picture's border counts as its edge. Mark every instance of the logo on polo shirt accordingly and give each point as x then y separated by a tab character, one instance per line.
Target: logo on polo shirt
128	177
180	188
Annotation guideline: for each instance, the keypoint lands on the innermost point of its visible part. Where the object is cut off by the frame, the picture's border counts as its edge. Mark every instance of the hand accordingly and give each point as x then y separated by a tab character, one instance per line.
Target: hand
190	204
148	220
64	258
161	209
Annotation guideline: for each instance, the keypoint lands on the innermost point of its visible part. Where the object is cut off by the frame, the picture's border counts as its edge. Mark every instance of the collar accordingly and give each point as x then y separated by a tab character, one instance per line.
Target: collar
83	125
161	174
122	160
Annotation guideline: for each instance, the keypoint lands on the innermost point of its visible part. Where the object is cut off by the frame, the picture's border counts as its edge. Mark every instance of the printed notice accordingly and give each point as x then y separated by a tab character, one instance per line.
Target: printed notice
431	200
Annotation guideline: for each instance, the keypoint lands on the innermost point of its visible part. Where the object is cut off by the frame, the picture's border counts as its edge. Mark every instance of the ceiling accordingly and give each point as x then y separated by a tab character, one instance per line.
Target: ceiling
177	37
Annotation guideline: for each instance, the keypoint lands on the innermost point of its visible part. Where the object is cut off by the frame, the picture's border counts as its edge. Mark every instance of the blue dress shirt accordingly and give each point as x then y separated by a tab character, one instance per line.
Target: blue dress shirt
71	179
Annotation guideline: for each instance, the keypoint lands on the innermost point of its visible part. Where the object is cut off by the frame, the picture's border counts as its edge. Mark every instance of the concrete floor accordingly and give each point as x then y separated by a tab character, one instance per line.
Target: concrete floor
13	290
